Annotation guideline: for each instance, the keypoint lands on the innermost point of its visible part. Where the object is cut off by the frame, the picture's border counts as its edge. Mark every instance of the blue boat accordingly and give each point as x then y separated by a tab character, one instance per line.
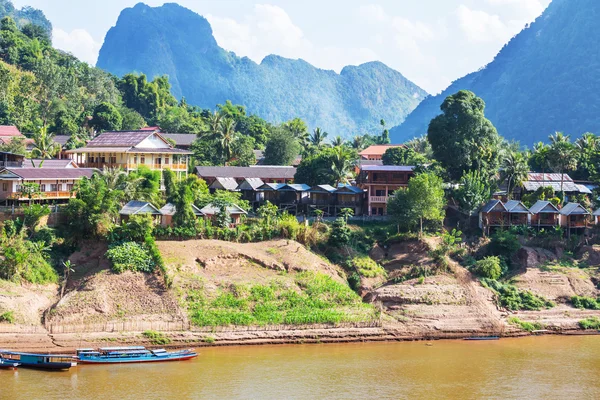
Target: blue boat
53	362
135	354
483	338
8	364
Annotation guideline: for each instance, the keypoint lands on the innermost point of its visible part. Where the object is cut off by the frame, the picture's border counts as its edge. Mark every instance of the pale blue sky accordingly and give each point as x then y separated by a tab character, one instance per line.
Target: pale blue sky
431	42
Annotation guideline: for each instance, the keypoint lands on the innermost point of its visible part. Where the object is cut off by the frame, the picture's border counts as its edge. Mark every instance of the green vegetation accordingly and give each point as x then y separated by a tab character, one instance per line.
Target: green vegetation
317	299
8	317
367	267
489	267
130	256
590	323
526	326
156	338
514	299
588	303
402	156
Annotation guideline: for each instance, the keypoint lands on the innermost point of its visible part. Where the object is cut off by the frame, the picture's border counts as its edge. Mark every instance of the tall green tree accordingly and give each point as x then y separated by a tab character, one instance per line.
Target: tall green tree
318	137
513	171
473	191
282	149
402	156
562	157
342	163
106	118
462	138
44	146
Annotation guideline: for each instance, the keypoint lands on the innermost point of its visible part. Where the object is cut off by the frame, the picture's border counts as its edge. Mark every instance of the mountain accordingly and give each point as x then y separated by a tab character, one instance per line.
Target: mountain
546	79
175	41
24	16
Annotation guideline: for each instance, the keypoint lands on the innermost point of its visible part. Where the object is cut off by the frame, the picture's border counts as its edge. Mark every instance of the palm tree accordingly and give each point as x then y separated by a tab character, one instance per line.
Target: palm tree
513	170
44	146
588	141
562	156
318	137
337	141
341	165
214	121
358	142
113	177
225	137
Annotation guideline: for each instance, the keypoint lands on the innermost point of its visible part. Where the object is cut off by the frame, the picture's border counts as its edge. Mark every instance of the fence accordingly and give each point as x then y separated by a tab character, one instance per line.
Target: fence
179	326
30	329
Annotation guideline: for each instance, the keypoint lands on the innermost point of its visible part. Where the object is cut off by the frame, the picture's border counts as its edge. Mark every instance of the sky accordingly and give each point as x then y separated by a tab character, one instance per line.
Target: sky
431	42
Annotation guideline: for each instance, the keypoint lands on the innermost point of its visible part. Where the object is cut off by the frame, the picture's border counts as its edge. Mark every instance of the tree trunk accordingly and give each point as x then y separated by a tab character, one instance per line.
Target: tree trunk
421	223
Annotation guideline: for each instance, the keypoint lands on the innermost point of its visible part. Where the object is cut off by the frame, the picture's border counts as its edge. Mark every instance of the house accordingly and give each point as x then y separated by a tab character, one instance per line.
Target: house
268	174
574	216
538	180
235	213
331	200
270	192
223	184
292	197
493	214
169	210
10	160
182	140
135	207
50	163
376	152
518	213
348	196
53	183
544	215
249	189
131	150
322	197
380	183
10	132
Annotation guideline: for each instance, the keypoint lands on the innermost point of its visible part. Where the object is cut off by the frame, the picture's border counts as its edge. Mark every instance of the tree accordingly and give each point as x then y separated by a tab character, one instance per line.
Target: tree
513	171
358	143
318	137
281	148
337	141
44	147
385	135
473	191
106	118
588	154
422	201
402	156
342	162
16	146
327	167
132	120
562	157
298	129
243	151
225	138
462	139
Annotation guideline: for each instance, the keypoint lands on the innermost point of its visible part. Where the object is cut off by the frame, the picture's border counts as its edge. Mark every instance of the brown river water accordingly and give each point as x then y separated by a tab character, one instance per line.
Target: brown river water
542	368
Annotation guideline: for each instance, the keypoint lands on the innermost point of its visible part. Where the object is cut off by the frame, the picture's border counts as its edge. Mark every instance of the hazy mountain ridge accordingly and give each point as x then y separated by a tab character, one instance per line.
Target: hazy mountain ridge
175	41
546	79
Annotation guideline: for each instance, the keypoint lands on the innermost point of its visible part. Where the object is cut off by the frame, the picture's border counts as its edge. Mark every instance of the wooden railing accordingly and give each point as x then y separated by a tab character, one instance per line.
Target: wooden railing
42	195
379	199
174	167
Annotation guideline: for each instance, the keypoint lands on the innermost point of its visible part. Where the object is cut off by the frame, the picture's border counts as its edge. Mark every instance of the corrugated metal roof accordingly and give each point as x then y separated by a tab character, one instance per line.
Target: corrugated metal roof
493	205
135	207
387	168
516	207
170	209
119	139
52	163
322	189
250	184
569	187
53	173
574	209
343	188
224	183
295	188
9	130
262	172
539	177
544	207
212	210
271	187
180	139
378	149
583	189
158	151
61	139
98	150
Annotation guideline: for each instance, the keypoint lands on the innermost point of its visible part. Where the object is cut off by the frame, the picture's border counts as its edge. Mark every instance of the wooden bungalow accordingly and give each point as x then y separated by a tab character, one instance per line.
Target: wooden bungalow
139	208
574	216
493	214
323	198
223	184
544	215
169	210
292	197
235	213
348	196
250	190
270	192
518	213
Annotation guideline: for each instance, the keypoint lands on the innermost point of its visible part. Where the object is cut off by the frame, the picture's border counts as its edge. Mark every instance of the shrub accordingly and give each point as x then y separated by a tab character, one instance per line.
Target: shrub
587	303
289	226
505	244
526	326
156	337
489	267
130	256
341	234
33	215
8	317
367	267
510	297
590	323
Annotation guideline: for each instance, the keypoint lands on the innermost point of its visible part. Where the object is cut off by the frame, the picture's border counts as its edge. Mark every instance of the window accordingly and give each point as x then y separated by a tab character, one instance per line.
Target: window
135	159
142	159
380	193
103	159
166	160
113	159
5	187
69	187
91	159
19	188
43	187
398	177
53	187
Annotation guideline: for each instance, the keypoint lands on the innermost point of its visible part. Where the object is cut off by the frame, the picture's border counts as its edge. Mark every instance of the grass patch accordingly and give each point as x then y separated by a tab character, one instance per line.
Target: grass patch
514	299
156	338
590	323
209	339
526	326
367	267
317	299
8	317
587	303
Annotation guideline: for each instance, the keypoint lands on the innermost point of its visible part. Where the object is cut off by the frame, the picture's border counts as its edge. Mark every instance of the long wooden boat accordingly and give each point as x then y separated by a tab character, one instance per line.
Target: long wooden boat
52	362
8	364
135	354
483	338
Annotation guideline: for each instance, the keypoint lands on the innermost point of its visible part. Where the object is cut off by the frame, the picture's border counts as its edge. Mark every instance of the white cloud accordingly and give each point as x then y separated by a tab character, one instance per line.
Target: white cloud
479	26
79	42
520	9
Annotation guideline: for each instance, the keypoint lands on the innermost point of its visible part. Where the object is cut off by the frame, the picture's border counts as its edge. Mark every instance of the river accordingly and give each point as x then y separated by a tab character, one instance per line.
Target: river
542	367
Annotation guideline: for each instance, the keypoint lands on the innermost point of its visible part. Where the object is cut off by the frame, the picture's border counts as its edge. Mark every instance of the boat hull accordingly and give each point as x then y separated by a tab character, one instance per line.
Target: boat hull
135	360
47	366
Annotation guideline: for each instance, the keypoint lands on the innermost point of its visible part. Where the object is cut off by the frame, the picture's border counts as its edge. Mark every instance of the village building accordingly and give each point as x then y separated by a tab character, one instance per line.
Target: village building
169	210
10	132
380	183
544	215
131	150
10	160
331	201
376	152
537	180
234	211
518	213
268	174
492	215
219	183
135	207
249	189
52	183
182	140
574	216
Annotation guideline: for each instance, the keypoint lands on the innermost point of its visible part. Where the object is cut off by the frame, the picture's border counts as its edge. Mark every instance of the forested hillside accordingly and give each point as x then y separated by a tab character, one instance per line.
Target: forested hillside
24	16
175	41
546	79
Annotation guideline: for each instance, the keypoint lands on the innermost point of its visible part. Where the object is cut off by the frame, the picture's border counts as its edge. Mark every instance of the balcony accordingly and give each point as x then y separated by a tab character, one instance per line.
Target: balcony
11	164
42	196
379	199
173	167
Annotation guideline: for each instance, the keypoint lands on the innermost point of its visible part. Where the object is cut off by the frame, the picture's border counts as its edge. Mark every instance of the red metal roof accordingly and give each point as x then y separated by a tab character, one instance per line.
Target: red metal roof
378	149
9	130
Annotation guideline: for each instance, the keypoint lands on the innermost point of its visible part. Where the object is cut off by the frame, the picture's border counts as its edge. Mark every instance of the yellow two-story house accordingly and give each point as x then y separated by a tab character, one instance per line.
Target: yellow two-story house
131	150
